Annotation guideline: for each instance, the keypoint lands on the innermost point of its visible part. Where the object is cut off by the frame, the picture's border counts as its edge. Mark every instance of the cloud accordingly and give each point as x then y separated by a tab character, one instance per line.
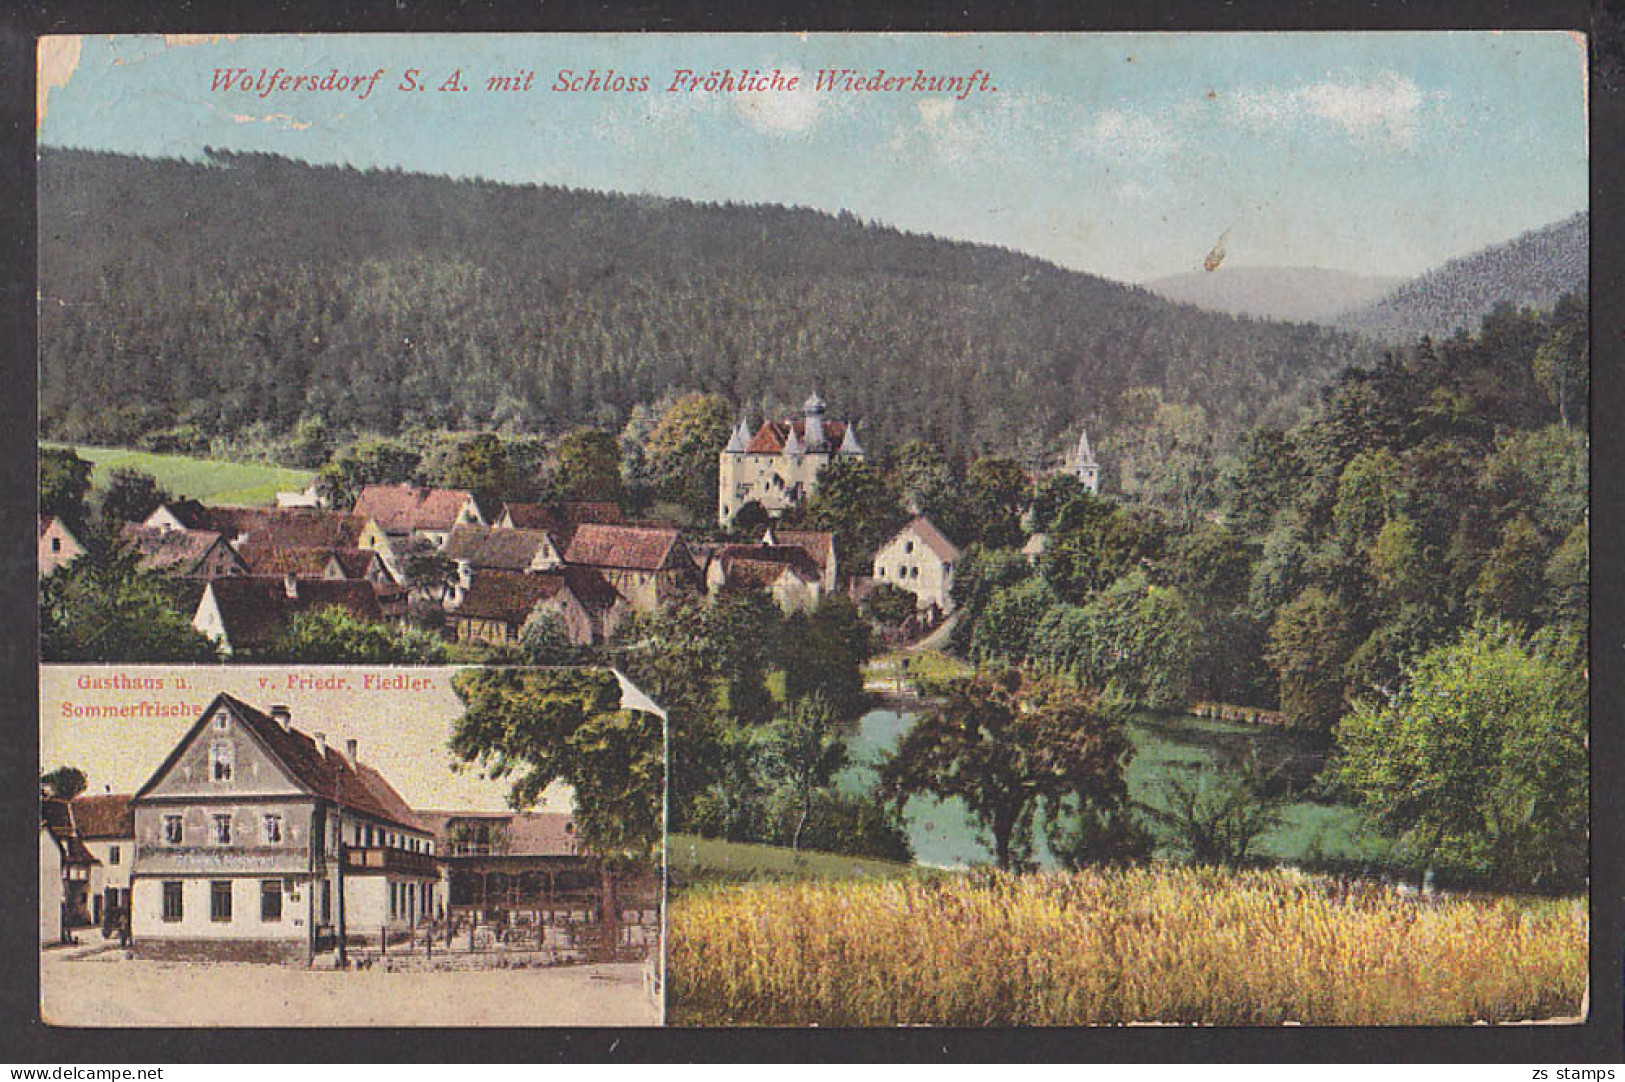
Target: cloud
782	112
1131	135
1388	106
271	118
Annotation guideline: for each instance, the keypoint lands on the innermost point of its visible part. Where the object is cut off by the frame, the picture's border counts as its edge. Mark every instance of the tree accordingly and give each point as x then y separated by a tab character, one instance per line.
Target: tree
541	726
889	604
65	782
64	481
432	574
1135	641
806	752
1511	585
1003	741
994	496
1309	643
333	635
545	640
823	652
1216	816
131	496
855	503
102	607
586	467
1005	627
370	461
480	465
1480	759
682	452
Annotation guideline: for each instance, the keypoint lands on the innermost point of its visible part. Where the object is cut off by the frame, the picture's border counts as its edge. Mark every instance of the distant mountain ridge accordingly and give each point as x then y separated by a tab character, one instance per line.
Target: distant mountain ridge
1533	270
250	291
1290	294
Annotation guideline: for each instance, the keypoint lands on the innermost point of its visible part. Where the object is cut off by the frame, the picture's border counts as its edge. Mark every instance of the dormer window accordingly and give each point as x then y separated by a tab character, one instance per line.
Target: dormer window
908	547
221	722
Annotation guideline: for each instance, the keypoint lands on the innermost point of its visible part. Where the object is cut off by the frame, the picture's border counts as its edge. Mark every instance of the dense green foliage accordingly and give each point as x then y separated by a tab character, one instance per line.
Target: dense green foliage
376	301
1479	762
103	608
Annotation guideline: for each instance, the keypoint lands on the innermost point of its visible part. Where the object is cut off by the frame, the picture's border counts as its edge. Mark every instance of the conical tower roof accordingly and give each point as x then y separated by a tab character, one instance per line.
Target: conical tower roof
740	437
849	441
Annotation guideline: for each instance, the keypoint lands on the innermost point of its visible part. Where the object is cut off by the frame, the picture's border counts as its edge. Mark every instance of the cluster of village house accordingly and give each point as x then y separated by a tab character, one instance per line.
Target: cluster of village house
256	841
254	568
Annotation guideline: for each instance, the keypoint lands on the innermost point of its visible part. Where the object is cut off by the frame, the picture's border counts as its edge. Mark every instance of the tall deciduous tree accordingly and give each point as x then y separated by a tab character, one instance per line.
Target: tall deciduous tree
586	466
855	503
683	448
1480	759
64	481
1004	741
103	607
131	496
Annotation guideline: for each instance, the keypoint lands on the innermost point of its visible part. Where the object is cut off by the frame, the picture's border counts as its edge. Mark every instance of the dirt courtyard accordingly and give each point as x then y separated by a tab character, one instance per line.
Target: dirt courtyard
98	987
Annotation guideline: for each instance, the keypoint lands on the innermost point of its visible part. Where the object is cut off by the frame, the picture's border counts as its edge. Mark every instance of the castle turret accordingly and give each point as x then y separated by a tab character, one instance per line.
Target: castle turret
849	441
739	439
813	412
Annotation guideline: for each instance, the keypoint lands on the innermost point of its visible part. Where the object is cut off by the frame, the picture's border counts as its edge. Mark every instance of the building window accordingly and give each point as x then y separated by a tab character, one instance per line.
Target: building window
221	758
173	832
222	830
56	544
270	900
172	900
220	900
273	829
327	901
112	854
220	722
908	547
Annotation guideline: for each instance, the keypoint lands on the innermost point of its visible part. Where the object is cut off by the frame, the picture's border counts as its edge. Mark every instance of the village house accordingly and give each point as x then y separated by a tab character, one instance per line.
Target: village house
194	554
291	528
106	825
256	841
483	548
649	566
410	514
819	545
57	545
920	560
495	605
786	572
65	870
250	612
266	560
778	467
559	518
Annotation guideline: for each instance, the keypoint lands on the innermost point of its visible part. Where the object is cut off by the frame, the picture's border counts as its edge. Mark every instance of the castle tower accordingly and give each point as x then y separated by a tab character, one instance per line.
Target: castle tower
1083	465
813	413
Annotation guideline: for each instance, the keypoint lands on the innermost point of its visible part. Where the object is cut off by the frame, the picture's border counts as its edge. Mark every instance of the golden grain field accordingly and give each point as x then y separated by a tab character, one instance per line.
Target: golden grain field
1190	945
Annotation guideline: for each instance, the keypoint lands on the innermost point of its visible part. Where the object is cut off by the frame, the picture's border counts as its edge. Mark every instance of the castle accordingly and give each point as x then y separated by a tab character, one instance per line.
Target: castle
778	467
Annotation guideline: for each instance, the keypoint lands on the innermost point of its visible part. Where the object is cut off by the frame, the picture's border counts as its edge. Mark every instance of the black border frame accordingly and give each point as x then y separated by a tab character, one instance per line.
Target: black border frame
23	1037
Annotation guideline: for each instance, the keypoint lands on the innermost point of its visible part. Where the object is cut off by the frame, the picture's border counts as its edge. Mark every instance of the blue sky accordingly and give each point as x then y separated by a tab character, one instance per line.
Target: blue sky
1126	155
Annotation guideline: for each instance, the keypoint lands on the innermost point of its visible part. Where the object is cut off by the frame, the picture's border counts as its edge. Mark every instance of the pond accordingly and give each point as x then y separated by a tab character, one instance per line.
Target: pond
945	834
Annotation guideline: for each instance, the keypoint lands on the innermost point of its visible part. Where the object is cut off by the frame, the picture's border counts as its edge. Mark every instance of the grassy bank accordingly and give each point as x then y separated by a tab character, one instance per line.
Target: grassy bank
1112	947
695	859
209	480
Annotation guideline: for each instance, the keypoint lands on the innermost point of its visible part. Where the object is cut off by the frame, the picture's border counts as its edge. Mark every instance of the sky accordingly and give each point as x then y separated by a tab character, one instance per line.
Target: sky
403	734
1126	155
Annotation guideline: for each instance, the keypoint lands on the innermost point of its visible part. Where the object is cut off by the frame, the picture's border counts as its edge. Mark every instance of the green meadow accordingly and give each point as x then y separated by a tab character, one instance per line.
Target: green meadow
207	479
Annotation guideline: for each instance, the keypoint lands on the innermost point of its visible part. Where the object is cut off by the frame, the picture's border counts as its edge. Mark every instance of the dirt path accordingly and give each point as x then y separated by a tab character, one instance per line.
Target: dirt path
110	990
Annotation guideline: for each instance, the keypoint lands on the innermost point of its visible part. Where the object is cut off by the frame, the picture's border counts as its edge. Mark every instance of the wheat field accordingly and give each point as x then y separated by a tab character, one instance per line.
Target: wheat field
1173	945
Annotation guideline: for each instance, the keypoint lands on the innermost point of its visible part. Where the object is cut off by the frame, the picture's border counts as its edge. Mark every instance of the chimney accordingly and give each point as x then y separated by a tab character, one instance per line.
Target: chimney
290	585
282	716
321	744
351	750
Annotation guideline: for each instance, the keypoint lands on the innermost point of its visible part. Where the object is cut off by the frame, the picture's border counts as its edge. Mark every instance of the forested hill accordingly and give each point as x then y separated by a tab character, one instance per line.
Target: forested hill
1531	271
252	288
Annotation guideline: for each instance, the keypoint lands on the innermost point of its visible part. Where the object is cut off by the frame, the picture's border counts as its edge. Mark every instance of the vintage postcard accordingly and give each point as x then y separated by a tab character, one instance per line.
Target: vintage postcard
1098	523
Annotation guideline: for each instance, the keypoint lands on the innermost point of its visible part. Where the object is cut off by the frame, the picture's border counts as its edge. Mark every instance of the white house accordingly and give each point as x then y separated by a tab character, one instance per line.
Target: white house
920	560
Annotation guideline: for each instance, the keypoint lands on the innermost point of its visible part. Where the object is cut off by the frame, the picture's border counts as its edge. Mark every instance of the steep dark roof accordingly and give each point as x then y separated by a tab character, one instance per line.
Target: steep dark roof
169	550
508	596
744	571
490	547
107	815
591	588
635	548
255	608
735	557
325	772
57	816
288	527
405	508
819	544
557	518
525	834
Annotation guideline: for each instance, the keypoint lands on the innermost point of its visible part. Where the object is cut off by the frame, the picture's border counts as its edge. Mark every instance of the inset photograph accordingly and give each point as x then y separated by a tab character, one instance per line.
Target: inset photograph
349	847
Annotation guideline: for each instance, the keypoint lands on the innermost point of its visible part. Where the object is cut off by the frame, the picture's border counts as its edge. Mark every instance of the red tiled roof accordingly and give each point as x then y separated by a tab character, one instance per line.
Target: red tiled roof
304	563
57	816
524	834
791	556
819	544
551	516
255	608
107	815
769	439
286	527
45	523
636	548
404	508
169	550
922	528
591	588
